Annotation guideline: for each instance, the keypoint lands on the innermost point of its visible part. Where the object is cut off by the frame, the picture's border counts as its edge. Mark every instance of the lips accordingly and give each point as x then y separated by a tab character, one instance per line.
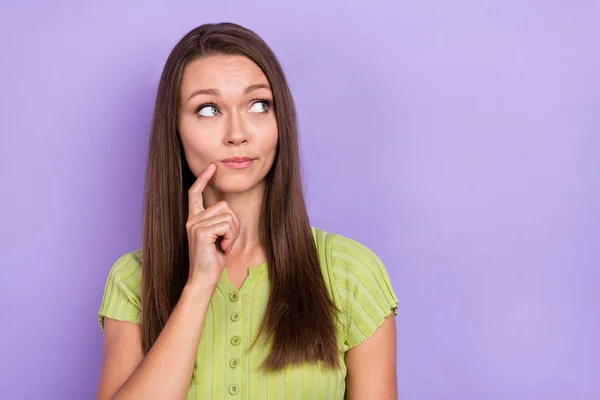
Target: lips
238	162
237	159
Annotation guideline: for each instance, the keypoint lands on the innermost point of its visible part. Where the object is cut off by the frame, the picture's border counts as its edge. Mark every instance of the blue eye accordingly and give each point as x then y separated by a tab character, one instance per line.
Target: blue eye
261	106
207	110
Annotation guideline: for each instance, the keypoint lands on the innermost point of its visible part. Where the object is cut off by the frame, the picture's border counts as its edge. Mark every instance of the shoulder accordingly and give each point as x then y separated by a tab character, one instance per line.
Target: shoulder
359	283
356	266
349	259
122	292
126	271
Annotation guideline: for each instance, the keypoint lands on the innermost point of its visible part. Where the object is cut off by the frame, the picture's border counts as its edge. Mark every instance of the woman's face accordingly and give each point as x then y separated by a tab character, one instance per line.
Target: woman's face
225	110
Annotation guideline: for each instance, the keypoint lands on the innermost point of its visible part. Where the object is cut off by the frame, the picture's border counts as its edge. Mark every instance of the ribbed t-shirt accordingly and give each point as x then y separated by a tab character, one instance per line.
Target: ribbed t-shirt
225	368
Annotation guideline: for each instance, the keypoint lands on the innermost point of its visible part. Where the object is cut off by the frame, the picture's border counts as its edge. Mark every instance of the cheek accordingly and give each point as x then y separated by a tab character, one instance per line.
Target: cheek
198	152
270	149
272	136
197	139
270	143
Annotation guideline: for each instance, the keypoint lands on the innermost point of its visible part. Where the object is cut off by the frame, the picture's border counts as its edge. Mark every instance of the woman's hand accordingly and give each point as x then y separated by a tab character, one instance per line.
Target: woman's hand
204	228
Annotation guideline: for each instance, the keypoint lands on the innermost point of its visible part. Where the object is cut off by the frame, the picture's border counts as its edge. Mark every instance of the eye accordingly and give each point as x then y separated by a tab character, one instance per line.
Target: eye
261	106
207	110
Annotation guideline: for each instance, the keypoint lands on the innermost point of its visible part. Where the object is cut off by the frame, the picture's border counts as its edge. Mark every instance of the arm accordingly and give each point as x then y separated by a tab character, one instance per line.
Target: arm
372	365
166	371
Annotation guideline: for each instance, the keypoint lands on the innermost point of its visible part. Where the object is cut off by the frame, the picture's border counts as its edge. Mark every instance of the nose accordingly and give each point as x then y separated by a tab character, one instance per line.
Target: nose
236	133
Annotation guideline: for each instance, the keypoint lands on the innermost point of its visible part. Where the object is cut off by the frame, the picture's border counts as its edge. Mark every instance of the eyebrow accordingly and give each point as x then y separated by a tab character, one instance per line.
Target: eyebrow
215	92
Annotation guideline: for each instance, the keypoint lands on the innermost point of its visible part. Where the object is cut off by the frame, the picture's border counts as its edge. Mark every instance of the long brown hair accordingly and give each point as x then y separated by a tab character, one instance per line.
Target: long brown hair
300	315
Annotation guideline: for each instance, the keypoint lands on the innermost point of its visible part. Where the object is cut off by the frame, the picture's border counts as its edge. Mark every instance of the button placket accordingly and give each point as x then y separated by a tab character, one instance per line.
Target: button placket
235	343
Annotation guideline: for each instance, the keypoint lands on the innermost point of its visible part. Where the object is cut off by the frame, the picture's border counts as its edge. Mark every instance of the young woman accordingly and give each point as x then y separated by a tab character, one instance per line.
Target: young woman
235	294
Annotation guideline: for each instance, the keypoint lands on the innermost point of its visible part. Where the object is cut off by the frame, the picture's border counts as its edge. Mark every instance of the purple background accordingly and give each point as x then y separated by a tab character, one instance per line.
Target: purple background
459	140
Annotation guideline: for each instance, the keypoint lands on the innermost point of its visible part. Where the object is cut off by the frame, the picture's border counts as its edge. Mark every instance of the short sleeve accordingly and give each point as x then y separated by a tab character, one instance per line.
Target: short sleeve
364	288
122	292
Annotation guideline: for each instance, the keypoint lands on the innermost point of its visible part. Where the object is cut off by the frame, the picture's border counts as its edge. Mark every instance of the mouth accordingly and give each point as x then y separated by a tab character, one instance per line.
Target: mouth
238	162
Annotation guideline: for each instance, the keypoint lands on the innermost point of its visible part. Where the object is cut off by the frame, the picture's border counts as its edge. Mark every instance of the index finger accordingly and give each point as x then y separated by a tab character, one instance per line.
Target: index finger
195	193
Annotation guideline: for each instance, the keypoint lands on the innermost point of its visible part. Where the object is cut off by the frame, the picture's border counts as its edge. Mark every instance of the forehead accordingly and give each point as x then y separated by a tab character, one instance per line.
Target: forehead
222	72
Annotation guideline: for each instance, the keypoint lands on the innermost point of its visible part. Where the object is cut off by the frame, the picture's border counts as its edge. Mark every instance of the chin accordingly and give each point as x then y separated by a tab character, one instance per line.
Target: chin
234	185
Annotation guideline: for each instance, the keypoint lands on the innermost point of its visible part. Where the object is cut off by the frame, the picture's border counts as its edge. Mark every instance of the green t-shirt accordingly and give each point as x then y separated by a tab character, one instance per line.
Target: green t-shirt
356	279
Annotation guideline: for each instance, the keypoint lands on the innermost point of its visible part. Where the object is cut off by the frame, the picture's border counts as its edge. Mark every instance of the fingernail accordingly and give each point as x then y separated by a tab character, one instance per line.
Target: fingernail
211	167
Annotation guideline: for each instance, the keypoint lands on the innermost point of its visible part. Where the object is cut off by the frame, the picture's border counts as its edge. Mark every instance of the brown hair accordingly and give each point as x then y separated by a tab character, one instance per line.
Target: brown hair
300	315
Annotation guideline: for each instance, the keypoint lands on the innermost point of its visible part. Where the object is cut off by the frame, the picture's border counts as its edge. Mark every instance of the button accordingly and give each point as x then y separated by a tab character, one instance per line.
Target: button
233	389
236	340
234	296
234	363
235	316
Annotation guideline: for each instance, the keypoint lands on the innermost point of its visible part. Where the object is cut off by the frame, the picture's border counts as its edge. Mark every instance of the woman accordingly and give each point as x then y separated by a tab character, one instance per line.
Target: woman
236	295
